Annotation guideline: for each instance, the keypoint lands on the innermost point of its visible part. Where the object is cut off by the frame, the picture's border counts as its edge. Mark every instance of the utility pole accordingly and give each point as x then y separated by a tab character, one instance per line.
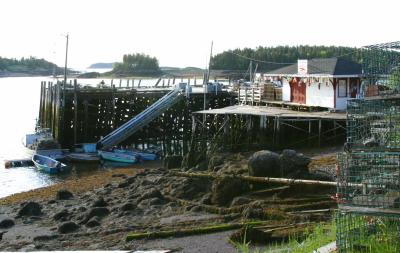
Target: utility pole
207	78
66	60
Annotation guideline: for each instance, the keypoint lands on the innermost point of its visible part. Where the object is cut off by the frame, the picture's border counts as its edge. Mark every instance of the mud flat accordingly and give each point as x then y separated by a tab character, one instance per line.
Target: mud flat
152	208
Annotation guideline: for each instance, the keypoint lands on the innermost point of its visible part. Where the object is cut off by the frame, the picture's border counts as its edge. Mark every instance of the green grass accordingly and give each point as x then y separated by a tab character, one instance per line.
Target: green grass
313	239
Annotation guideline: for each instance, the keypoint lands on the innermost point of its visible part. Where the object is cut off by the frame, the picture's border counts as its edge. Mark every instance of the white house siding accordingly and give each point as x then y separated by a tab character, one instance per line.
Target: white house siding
320	96
285	91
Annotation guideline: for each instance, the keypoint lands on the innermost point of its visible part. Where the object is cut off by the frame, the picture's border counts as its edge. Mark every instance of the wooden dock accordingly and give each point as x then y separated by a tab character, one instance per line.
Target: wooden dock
282	127
79	113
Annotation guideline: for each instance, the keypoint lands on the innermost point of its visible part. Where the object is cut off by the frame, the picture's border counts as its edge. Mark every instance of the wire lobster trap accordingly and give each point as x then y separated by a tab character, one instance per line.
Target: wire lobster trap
358	232
369	182
381	69
373	124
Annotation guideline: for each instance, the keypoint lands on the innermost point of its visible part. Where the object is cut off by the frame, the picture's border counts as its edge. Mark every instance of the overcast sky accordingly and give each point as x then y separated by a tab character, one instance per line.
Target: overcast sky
179	32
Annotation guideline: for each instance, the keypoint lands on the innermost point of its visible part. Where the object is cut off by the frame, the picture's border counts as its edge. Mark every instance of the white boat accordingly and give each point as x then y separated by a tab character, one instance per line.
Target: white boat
48	165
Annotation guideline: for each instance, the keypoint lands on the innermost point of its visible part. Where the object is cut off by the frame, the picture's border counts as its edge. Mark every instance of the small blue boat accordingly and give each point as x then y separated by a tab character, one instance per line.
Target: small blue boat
142	155
48	165
117	157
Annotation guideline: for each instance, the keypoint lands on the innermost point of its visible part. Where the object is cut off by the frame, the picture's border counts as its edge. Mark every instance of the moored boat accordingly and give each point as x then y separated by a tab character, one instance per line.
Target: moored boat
117	157
83	157
141	155
48	165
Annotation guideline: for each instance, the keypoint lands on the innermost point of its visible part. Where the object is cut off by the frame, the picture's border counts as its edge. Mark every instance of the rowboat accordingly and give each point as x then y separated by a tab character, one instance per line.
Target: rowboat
117	157
48	165
83	157
144	156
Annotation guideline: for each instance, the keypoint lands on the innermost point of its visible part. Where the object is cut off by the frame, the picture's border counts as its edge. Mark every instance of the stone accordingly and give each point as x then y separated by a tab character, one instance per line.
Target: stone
93	222
239	201
30	208
291	161
62	215
264	163
1	234
215	161
68	227
64	194
100	202
152	193
45	237
129	206
225	189
7	223
96	211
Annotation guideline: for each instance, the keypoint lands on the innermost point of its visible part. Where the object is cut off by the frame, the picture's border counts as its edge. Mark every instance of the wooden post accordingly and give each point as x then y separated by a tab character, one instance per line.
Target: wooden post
252	96
319	132
120	83
113	105
168	82
75	111
127	83
41	105
58	105
173	81
140	81
86	111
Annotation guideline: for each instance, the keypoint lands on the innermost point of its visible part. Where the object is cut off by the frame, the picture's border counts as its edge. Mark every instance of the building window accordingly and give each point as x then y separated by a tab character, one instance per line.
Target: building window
342	88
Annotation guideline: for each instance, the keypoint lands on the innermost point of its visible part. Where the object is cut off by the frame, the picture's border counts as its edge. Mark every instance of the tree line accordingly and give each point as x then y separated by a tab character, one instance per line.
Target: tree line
271	58
136	64
29	65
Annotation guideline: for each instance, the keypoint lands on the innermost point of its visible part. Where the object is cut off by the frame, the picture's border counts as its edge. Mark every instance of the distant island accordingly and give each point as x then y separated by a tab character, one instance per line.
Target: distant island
102	65
28	67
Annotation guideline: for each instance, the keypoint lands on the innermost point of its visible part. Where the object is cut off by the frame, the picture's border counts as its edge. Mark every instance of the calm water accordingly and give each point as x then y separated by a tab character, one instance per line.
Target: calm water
19	108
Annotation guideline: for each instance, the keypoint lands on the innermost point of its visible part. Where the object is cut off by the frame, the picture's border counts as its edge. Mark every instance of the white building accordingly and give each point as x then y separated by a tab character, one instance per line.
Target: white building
325	83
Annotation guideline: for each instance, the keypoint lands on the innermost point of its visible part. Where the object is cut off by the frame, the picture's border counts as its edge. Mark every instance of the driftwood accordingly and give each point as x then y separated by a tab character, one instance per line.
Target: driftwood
251	179
191	231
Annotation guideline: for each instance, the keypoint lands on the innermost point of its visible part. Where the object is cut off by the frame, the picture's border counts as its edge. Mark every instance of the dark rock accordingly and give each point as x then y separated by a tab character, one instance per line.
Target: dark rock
152	193
7	223
93	222
190	188
30	209
156	201
206	199
67	227
238	201
100	202
64	195
131	180
62	215
128	206
96	211
291	161
196	209
82	209
215	160
51	201
264	163
1	234
123	184
253	213
225	189
45	237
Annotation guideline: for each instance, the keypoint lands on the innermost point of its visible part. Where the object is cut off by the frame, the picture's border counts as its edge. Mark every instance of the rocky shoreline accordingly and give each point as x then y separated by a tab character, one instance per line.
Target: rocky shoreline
155	209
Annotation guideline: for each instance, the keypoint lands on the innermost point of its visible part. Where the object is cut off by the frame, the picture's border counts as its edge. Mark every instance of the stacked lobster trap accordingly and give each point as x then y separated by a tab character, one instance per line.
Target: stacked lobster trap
368	172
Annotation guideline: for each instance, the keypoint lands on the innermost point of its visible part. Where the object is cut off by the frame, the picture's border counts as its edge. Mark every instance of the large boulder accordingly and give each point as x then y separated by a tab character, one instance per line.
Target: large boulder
64	194
67	227
293	163
30	209
224	189
264	163
96	211
7	223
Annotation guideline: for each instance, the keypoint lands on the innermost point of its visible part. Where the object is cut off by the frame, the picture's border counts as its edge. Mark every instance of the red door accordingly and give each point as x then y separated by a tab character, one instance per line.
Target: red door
298	92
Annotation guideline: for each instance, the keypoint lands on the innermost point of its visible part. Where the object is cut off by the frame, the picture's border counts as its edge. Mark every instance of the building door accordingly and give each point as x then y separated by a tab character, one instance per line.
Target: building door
353	89
298	92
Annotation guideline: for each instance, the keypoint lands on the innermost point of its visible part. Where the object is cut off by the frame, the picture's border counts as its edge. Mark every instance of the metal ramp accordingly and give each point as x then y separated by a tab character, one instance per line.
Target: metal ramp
142	119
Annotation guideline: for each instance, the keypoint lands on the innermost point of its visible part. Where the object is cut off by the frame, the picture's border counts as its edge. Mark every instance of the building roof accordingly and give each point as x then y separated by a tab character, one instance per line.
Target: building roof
323	66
